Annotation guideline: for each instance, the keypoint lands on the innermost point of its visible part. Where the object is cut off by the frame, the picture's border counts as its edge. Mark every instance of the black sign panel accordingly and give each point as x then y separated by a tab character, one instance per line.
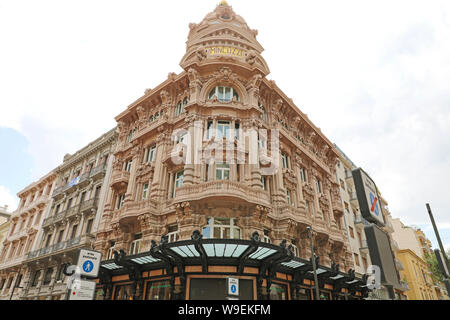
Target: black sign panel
382	256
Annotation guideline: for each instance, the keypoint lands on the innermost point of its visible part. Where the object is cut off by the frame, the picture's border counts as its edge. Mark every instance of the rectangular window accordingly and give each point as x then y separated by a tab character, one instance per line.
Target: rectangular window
128	165
60	236
135	247
288	197
221	228
158	290
120	201
89	226
60	274
151	156
318	186
223	130
263	182
266	237
351	232
357	260
179	180
48	276
222	172
284	159
209	130
236	130
69	204
74	231
49	237
97	192
172	234
145	192
303	174
35	281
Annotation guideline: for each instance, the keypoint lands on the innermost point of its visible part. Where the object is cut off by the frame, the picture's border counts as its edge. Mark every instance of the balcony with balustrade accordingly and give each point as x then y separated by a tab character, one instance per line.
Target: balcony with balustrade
61	247
222	189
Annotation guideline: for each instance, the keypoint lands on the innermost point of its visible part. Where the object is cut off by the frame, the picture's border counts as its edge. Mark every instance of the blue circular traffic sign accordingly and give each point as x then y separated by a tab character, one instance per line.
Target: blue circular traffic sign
233	288
88	266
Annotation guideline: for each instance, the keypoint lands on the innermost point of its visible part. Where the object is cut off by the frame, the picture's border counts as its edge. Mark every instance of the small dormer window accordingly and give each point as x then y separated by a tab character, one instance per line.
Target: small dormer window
224	94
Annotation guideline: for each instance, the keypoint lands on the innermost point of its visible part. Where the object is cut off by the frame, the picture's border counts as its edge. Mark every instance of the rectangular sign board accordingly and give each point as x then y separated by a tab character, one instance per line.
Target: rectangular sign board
382	256
368	197
233	287
82	290
89	263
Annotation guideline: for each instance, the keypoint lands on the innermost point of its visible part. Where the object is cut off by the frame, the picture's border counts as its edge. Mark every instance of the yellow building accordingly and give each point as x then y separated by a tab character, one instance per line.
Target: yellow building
417	275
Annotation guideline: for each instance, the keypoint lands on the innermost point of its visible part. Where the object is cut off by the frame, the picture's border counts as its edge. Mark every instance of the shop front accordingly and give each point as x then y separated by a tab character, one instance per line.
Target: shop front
200	269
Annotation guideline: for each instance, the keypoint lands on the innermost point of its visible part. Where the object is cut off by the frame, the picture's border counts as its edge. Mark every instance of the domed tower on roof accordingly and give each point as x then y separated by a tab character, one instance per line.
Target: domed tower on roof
223	36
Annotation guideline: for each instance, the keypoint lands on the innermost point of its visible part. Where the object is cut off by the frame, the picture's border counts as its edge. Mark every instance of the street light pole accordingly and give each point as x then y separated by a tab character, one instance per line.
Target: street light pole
437	234
313	259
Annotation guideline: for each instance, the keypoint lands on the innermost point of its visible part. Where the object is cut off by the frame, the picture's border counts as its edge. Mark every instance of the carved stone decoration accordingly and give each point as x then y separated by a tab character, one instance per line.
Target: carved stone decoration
164	97
201	53
144	221
193	76
278	106
225	74
140	110
251	57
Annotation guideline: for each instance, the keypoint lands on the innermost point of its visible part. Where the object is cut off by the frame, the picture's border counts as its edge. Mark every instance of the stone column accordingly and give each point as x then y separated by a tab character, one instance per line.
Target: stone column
190	151
255	170
157	187
171	184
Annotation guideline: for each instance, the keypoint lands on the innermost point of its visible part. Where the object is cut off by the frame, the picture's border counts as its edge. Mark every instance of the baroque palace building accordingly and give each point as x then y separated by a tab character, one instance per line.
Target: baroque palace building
22	234
218	174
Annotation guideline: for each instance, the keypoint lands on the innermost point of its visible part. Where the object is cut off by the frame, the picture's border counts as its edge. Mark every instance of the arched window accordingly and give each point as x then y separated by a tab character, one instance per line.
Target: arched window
224	94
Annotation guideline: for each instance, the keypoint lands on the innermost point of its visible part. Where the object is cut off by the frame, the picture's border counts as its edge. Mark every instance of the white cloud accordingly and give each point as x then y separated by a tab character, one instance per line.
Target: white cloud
9	199
373	75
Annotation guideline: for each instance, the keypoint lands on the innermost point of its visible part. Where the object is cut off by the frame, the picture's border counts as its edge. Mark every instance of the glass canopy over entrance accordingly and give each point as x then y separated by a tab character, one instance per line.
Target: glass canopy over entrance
267	261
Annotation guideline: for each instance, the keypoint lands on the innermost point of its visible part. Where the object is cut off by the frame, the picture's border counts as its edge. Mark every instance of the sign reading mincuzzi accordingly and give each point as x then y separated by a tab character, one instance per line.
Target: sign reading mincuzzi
228	51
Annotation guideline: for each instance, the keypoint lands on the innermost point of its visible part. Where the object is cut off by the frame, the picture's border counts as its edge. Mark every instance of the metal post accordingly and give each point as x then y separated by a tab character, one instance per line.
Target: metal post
313	258
437	235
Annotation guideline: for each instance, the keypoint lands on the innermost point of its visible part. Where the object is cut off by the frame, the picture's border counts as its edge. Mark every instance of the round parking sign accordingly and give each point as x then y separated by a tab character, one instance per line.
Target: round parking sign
88	266
233	288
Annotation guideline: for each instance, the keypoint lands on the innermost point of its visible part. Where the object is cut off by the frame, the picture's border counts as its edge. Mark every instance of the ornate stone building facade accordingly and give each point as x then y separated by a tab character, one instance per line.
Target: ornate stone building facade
72	220
22	235
222	94
221	149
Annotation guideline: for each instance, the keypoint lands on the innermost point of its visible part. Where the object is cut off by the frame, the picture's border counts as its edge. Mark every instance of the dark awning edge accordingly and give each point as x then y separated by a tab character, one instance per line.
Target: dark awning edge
238	253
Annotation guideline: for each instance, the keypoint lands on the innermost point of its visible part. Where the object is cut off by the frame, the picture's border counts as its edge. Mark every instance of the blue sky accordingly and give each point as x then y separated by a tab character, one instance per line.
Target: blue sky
373	75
